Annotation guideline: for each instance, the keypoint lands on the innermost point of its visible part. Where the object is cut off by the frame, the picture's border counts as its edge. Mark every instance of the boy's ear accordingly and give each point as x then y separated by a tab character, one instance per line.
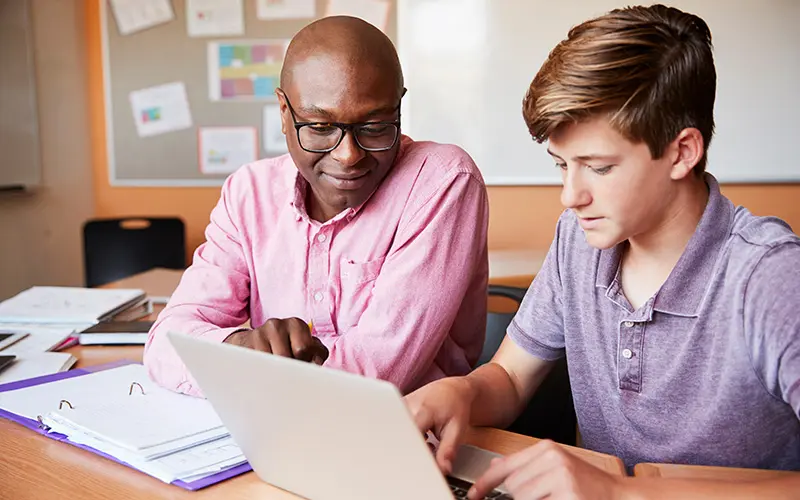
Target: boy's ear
687	150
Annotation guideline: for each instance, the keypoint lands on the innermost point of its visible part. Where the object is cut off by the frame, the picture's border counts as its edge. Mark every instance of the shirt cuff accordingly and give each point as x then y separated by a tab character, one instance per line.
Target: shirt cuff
532	346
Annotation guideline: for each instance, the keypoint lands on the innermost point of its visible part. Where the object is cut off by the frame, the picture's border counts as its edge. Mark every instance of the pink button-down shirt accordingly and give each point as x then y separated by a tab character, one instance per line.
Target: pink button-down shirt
395	288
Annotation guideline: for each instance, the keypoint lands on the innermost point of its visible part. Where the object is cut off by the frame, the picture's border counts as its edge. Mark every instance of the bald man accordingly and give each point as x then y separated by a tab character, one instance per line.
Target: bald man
361	249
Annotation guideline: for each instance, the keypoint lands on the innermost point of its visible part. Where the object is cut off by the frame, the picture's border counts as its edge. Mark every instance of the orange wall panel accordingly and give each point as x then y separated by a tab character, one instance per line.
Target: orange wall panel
520	217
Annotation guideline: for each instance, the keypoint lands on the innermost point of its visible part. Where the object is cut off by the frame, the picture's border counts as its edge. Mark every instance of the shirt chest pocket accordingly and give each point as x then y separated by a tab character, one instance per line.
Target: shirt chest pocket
356	281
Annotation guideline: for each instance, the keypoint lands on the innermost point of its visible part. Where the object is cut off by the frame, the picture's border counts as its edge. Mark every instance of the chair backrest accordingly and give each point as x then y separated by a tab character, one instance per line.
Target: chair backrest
550	414
116	248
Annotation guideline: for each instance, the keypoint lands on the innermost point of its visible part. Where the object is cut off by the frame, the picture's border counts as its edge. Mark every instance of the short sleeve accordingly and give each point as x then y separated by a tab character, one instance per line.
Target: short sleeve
538	326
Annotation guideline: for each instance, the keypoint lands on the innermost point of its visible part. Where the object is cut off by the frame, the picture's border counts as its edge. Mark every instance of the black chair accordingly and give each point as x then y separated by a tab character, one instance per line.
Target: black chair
550	414
116	248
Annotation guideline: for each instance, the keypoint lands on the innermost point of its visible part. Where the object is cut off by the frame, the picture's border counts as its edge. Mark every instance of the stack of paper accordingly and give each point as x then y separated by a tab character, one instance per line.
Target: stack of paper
35	365
53	316
52	304
122	413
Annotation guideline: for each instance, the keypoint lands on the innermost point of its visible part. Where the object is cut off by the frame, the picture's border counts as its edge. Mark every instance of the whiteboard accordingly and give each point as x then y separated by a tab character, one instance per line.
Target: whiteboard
468	64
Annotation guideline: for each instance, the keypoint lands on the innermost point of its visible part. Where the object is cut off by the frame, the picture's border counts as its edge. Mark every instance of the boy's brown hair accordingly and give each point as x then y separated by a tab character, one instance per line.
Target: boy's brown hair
649	69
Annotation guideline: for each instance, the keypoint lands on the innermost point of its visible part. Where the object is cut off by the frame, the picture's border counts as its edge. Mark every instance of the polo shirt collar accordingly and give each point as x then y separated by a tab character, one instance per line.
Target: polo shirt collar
683	291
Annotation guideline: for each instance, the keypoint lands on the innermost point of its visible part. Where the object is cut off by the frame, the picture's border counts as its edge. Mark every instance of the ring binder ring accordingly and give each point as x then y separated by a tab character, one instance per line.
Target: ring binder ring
42	425
61	403
130	390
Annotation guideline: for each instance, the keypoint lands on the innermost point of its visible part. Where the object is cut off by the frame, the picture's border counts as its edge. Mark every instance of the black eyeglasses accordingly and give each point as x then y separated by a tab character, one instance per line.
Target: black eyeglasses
324	137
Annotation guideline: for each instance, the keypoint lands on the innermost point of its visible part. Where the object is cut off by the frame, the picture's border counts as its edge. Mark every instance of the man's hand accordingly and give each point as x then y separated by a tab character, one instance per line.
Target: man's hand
290	338
546	470
443	407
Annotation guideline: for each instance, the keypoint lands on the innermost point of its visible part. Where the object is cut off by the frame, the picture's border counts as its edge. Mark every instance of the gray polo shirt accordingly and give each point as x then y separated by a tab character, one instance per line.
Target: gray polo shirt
707	371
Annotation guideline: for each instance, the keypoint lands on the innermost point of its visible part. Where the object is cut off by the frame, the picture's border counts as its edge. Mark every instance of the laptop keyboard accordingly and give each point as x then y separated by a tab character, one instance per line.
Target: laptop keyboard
460	488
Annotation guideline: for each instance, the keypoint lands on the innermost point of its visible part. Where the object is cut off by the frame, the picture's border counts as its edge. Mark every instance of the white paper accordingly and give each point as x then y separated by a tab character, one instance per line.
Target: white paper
35	365
54	304
274	140
102	402
136	15
160	109
285	9
214	17
40	338
245	70
224	149
375	12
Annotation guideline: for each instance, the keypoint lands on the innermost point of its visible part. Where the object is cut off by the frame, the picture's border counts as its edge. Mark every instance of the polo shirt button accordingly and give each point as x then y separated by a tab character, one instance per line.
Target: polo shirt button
318	296
628	324
627	353
321	238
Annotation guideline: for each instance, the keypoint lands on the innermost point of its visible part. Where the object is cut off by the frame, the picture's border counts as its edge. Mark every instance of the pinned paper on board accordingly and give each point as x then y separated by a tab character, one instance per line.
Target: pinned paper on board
375	12
214	17
245	70
225	149
137	15
285	9
160	109
274	140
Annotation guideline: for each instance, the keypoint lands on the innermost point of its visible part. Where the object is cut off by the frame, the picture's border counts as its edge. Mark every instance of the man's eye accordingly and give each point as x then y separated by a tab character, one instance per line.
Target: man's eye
322	129
377	129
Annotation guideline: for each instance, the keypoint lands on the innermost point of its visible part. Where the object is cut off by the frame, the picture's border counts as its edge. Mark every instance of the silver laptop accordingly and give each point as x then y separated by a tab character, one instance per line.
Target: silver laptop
321	433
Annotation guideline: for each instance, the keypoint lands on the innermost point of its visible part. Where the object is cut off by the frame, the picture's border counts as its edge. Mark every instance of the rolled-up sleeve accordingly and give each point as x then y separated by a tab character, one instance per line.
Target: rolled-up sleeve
211	300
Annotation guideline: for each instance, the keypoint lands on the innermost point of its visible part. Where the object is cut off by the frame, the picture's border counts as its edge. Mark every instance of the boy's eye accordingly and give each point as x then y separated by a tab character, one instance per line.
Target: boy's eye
561	166
602	170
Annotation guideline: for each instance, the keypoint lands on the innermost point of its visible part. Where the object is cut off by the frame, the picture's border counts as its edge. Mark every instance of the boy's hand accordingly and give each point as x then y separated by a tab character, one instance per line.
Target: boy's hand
443	407
546	470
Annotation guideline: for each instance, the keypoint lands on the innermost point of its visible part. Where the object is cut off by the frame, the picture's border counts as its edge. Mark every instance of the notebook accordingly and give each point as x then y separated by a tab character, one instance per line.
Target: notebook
37	364
51	304
175	438
116	332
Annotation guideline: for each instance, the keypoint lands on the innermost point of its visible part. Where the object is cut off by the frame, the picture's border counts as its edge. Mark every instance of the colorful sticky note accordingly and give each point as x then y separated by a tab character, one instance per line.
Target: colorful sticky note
242	53
264	86
225	55
228	87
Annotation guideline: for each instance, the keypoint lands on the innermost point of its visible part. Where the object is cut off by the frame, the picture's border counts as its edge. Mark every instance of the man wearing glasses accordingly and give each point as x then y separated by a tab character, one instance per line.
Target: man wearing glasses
360	249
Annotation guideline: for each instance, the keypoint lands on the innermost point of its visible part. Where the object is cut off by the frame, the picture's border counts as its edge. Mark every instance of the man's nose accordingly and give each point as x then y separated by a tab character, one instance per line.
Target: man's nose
348	152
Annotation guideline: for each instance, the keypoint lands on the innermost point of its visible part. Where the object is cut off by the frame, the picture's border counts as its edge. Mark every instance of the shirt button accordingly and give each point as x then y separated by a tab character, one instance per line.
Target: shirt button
627	354
628	324
321	238
318	296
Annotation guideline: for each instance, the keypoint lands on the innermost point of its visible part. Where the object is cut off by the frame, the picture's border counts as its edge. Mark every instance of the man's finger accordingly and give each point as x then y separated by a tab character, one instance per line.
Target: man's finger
302	343
277	334
320	352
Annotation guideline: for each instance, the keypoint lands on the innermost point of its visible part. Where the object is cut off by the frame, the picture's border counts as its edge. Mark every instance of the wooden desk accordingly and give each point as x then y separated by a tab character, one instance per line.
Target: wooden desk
34	467
706	472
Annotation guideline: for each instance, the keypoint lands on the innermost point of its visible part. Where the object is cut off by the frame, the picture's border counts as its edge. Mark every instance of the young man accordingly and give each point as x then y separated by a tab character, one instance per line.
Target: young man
678	312
376	240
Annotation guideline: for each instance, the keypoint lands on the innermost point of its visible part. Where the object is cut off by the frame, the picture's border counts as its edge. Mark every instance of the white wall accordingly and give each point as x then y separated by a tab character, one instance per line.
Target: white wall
40	239
468	64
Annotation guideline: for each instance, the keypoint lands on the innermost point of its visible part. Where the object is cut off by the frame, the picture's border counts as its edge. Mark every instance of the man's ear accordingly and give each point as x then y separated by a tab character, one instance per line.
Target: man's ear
687	150
286	120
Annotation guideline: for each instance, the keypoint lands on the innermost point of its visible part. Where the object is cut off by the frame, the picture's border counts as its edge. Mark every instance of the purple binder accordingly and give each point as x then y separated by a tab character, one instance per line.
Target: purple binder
34	425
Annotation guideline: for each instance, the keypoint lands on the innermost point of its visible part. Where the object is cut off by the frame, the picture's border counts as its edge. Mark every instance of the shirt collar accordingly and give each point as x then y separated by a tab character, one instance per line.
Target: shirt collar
685	287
